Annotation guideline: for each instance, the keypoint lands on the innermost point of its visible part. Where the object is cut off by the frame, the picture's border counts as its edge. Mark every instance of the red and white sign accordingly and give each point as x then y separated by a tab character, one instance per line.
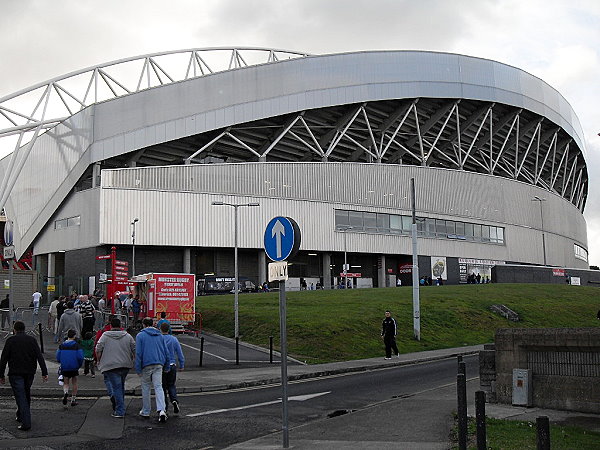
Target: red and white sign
121	263
351	274
103	257
175	294
120	273
558	272
405	268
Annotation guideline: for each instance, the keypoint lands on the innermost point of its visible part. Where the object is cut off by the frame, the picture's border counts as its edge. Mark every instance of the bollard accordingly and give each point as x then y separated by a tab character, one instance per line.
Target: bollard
543	433
201	351
461	390
237	351
462	368
41	338
271	349
480	420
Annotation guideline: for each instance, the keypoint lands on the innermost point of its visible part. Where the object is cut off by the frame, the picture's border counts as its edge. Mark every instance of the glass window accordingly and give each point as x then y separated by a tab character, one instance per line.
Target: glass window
395	224
485	233
407	224
383	223
74	221
370	221
500	232
460	229
60	224
341	218
450	227
420	226
440	227
356	220
493	234
430	227
469	231
477	232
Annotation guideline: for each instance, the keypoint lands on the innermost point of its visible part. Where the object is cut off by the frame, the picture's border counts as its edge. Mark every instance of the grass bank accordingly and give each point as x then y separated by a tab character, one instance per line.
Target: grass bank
338	325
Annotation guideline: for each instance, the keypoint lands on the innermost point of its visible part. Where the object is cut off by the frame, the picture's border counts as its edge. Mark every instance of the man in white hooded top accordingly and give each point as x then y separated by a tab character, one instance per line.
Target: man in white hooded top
116	354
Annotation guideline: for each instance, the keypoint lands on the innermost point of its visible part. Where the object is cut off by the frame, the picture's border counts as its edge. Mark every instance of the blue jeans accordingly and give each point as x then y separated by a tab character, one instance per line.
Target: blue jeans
116	380
168	382
152	377
21	386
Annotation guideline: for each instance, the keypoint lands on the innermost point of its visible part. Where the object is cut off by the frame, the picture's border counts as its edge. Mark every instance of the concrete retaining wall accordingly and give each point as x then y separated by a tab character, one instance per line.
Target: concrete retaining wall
565	363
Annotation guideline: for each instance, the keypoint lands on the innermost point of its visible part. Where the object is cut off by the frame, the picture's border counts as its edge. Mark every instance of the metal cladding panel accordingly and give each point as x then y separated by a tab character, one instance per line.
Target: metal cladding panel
55	163
181	213
86	205
257	92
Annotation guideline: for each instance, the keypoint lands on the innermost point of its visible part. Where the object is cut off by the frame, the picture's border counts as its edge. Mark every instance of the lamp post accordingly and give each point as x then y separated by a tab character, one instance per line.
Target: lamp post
344	229
235	207
136	220
539	199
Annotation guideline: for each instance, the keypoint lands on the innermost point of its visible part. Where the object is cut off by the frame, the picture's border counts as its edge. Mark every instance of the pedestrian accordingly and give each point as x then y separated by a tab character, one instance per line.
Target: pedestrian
136	307
70	357
22	354
151	357
163	319
35	304
86	309
52	315
60	309
87	345
116	355
102	304
169	377
5	307
70	320
388	333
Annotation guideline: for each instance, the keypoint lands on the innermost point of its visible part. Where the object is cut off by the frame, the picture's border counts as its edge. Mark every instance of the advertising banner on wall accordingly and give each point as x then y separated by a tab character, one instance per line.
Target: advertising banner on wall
438	267
473	267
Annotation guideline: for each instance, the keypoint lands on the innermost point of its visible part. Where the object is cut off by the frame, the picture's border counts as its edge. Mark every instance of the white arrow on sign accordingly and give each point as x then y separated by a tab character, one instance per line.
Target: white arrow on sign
278	230
297	398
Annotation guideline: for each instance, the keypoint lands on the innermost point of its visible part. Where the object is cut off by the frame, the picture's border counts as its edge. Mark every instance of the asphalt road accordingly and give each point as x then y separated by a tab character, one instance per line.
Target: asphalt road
217	420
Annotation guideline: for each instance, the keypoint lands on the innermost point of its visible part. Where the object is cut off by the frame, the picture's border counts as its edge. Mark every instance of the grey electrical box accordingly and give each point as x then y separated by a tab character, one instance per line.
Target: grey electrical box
522	394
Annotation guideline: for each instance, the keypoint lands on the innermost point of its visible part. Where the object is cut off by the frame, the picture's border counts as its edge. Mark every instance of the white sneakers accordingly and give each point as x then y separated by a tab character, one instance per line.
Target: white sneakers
162	417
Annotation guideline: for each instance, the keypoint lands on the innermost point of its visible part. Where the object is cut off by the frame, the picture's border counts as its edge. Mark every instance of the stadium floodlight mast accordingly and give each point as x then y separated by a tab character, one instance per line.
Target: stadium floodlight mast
344	229
136	220
235	207
540	199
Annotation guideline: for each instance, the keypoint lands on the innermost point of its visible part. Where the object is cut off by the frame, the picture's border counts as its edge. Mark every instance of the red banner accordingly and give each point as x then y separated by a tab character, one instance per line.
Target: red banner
176	295
558	272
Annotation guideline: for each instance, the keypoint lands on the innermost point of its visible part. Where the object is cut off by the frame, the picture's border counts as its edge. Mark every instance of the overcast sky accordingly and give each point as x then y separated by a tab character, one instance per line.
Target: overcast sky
556	40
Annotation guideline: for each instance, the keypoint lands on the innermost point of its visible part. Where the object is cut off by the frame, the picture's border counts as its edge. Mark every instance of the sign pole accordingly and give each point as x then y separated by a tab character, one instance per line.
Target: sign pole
11	301
415	268
113	270
284	377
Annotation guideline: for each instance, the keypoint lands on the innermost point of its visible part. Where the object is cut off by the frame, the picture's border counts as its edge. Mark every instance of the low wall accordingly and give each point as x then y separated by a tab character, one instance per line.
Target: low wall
24	284
565	365
514	273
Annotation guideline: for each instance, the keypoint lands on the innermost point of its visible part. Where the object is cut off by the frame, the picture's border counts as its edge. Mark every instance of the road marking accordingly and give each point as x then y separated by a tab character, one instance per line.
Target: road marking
208	353
297	398
225	359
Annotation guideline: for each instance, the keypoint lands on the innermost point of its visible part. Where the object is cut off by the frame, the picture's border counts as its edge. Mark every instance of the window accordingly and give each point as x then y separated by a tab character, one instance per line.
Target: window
469	231
450	227
460	229
493	234
74	221
60	224
440	227
341	218
383	223
356	220
477	232
430	227
420	226
500	232
407	224
370	221
396	224
485	233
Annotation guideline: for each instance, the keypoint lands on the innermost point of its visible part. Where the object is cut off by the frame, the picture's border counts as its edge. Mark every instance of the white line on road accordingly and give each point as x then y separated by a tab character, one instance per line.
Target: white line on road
208	353
297	398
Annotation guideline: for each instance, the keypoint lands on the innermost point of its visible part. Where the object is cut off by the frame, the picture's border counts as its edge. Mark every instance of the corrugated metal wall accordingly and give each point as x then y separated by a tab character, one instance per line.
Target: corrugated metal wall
174	207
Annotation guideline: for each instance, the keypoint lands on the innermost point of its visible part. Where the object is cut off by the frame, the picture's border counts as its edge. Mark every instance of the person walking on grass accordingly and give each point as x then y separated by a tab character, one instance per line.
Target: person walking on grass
22	354
151	358
116	353
169	377
388	333
70	357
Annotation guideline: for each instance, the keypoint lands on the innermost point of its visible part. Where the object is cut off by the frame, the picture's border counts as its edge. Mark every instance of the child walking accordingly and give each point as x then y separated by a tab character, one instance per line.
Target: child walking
70	357
87	345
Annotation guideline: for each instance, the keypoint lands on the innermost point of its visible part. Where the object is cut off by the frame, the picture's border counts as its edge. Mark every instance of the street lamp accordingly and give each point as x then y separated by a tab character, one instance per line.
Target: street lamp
539	199
235	207
136	220
344	229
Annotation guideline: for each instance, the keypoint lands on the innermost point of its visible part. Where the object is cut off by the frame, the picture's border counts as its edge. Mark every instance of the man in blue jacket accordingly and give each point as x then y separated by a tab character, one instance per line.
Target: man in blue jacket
151	357
169	378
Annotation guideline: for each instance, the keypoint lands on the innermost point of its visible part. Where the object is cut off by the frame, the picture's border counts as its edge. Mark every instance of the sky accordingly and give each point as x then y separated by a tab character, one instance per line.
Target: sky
556	40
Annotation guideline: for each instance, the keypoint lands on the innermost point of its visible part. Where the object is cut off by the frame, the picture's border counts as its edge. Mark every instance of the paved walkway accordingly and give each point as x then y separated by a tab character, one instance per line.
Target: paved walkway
421	421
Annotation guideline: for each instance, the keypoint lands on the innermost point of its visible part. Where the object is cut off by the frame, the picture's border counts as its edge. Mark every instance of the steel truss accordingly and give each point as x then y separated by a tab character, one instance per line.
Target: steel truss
32	111
494	139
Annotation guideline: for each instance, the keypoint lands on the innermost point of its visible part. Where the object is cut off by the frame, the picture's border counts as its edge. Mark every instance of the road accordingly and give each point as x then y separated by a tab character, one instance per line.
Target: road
217	420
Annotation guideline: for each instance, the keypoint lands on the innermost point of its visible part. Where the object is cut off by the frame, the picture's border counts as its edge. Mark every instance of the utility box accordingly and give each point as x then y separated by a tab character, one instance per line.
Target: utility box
522	394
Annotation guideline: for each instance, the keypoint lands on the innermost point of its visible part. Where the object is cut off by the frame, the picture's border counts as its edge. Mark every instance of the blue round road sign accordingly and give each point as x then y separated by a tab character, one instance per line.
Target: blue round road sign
282	238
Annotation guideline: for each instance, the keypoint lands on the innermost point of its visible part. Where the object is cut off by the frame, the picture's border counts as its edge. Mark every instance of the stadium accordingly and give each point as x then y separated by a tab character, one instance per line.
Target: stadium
332	141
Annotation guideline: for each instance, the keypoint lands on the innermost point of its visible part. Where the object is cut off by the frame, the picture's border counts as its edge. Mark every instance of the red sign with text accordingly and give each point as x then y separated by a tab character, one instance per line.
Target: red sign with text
175	294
